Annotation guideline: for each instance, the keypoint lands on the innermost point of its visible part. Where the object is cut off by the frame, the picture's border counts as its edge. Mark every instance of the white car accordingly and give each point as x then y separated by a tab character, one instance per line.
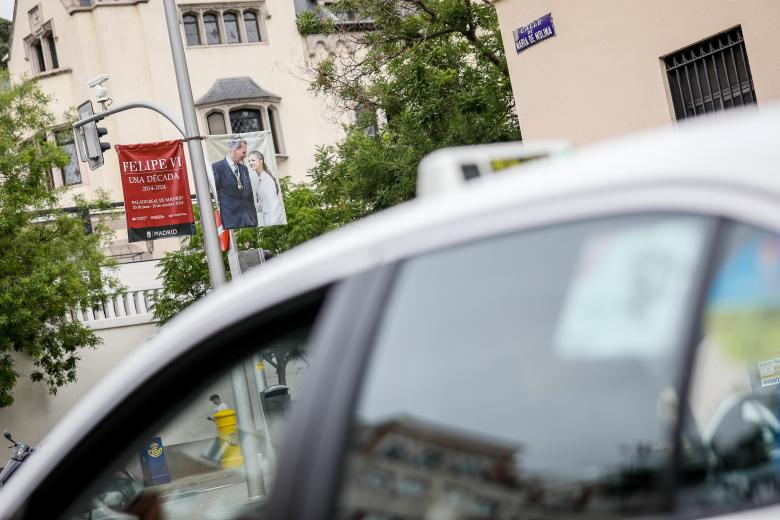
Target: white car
589	336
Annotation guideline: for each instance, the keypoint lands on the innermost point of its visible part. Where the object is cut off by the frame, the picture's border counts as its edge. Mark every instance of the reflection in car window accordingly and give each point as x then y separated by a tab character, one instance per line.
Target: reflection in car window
732	456
194	465
528	376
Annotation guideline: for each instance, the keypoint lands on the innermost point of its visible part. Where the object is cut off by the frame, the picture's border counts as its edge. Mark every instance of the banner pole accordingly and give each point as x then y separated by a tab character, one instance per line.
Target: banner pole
210	241
213	254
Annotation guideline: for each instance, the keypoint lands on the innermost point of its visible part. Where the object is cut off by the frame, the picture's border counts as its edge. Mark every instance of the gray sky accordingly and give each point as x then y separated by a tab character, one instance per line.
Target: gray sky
6	9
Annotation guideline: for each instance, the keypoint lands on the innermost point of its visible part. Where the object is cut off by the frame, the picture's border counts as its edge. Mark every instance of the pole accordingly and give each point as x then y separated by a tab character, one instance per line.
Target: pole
213	255
135	104
261	383
257	366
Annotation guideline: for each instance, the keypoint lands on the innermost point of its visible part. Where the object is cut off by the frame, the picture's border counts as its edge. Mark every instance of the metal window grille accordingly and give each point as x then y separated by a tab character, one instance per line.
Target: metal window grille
710	76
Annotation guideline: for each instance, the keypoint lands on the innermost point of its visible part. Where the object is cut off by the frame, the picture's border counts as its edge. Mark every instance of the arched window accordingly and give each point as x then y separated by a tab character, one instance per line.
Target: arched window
191	29
70	172
251	26
55	63
211	24
273	117
245	120
231	28
40	61
216	123
224	27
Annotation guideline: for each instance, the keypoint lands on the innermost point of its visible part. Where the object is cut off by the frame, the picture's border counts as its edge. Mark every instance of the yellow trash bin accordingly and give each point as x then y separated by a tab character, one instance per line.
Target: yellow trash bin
227	429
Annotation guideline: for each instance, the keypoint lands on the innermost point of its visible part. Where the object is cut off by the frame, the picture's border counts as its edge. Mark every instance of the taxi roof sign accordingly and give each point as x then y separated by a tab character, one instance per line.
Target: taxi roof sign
449	169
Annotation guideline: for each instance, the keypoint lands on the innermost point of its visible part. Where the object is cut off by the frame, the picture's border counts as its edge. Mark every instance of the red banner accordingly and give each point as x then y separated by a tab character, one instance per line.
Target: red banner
157	194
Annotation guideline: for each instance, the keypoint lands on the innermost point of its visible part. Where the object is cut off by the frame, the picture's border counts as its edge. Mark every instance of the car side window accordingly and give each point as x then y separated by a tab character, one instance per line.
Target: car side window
216	456
529	376
732	444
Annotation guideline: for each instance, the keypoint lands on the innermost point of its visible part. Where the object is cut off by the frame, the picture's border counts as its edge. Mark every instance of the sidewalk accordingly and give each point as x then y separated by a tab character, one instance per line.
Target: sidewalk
201	478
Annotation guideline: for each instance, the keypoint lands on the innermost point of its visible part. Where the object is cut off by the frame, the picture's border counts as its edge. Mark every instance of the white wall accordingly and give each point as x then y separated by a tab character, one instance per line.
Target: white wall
602	74
35	411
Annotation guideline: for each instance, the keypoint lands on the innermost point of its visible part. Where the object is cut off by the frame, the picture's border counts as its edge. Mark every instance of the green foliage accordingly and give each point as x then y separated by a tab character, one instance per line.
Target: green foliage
6	27
184	274
307	217
437	72
48	264
312	22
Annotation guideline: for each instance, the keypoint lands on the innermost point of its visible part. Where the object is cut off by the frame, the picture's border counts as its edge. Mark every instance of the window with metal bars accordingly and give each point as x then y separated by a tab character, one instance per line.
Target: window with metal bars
710	76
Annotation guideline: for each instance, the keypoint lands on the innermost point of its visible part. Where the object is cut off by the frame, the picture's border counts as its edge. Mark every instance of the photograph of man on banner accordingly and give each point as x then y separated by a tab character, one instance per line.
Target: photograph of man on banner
244	179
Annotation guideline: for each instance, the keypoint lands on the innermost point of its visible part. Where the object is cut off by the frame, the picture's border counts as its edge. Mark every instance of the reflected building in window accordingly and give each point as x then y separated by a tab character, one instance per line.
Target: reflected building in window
404	467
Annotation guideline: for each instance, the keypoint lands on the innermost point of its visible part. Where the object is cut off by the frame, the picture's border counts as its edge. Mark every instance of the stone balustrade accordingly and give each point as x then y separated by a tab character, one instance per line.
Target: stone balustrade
133	307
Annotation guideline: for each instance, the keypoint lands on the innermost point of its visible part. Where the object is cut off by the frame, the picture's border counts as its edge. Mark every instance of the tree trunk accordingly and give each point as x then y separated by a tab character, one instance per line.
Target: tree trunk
281	371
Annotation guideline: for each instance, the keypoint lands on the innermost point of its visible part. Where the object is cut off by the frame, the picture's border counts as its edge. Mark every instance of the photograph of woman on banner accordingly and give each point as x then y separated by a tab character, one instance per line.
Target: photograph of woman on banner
268	193
243	178
234	188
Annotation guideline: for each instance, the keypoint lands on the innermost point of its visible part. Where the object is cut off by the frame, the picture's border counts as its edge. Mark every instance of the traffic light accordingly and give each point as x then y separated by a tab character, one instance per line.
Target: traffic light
101	131
88	138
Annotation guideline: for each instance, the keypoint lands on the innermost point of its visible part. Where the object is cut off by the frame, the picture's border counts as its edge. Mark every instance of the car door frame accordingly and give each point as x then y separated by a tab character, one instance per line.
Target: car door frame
58	490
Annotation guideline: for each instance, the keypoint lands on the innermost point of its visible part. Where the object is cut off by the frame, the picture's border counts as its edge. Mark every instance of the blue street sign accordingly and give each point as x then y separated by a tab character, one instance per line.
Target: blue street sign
536	31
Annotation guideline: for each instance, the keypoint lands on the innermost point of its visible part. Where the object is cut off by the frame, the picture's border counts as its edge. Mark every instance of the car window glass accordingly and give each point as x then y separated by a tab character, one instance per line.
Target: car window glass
528	376
732	442
196	465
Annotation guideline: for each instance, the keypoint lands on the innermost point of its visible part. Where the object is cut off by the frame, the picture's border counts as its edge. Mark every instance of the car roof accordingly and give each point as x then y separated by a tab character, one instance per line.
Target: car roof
737	151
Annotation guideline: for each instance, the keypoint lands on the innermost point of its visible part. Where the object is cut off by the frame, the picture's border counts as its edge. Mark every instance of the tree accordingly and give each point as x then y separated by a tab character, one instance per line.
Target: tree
434	69
284	351
6	28
49	264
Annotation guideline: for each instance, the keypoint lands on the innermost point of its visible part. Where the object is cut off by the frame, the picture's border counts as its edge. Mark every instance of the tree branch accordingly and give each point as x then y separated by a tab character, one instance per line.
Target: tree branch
471	36
270	362
430	12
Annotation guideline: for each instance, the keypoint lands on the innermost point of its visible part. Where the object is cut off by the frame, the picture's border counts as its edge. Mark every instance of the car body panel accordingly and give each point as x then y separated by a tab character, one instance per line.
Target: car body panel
725	166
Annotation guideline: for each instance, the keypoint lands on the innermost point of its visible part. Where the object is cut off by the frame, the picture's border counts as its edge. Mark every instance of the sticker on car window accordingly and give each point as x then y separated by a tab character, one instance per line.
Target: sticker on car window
630	290
769	372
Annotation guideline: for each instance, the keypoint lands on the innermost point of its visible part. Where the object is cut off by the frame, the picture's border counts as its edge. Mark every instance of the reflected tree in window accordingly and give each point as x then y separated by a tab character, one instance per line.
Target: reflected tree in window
191	29
211	24
70	172
251	26
231	28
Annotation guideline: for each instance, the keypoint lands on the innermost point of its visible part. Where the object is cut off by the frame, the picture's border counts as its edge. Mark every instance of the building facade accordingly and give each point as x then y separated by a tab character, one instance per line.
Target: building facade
618	66
247	66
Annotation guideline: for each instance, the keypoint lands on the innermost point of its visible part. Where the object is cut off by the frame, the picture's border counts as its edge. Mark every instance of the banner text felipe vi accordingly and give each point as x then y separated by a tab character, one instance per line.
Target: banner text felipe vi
152	165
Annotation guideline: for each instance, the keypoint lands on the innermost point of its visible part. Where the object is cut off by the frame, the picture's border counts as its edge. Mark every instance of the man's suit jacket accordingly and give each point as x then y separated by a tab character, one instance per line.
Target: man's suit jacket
237	207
